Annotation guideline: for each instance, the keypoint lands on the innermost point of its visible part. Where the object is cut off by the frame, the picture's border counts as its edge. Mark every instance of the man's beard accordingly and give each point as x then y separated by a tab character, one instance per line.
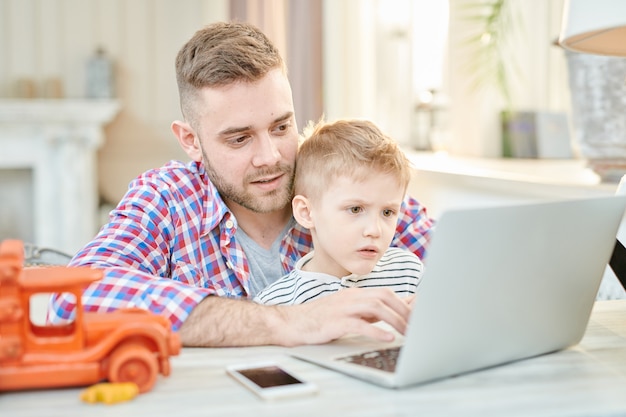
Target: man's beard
271	201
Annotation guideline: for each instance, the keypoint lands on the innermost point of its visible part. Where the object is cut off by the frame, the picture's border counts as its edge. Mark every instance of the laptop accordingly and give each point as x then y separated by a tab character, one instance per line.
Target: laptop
500	284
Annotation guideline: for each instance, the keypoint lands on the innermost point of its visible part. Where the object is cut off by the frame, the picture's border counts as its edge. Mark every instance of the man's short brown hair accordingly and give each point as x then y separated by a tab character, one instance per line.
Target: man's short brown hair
221	54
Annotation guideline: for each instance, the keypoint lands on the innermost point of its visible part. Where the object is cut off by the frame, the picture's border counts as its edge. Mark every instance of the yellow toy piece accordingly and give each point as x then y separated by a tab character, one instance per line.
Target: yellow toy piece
110	392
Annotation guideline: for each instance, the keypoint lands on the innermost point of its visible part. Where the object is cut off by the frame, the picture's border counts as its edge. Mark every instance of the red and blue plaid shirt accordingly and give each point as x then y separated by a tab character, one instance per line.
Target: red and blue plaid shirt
171	242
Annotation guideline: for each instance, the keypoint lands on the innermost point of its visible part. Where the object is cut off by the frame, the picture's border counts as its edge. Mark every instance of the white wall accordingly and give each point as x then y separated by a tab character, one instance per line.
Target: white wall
41	39
351	66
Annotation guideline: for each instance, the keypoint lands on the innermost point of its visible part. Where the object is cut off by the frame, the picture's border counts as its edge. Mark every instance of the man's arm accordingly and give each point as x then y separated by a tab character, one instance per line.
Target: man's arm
130	288
221	322
209	320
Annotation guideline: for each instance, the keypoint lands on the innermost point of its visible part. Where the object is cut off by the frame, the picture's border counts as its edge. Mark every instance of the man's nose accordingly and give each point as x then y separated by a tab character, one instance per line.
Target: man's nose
266	153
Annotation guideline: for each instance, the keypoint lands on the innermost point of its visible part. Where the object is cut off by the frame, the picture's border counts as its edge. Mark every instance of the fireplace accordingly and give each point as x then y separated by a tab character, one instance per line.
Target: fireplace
48	184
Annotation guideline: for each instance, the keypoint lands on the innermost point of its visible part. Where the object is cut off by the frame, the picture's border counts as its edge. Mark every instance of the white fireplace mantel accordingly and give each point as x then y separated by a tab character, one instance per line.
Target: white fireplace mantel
58	141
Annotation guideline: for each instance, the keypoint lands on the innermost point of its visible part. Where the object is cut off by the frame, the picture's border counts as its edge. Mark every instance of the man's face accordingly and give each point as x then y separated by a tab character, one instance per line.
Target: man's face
249	140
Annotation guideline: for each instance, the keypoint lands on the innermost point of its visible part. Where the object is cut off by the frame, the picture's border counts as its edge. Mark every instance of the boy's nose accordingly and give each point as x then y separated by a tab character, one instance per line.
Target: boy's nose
373	227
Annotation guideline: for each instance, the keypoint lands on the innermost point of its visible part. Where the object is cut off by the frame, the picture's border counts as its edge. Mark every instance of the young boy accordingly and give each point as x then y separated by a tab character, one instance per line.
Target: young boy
349	185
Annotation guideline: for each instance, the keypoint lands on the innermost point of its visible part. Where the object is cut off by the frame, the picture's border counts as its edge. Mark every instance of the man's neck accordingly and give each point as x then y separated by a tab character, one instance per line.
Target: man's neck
263	228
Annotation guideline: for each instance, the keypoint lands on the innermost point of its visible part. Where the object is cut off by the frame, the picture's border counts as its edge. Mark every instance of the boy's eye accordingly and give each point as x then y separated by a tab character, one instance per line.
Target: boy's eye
388	213
355	210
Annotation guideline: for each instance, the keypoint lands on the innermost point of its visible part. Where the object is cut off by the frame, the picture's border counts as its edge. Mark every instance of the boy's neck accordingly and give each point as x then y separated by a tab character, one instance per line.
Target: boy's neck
320	262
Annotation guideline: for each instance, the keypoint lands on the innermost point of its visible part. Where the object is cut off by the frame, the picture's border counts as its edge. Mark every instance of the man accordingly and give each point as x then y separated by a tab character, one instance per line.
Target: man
195	242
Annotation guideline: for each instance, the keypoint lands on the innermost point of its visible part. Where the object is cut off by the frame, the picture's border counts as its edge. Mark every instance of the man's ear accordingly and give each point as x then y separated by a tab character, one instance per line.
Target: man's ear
187	139
302	211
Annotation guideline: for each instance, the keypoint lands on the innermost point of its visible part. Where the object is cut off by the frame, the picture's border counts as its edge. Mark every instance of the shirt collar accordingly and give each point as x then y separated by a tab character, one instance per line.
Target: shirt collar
215	210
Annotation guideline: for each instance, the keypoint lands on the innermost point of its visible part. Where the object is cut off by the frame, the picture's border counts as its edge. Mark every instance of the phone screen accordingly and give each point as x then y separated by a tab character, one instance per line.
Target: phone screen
269	376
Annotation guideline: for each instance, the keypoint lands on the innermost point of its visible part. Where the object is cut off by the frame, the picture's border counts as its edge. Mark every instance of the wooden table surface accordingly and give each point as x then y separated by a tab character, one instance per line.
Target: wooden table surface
586	380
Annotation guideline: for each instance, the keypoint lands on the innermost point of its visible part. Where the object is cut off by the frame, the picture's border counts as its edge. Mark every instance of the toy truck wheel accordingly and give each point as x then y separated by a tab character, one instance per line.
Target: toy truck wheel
134	363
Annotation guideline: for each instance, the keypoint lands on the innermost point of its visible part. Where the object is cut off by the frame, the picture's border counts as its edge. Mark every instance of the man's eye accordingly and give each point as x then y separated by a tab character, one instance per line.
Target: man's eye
282	128
239	140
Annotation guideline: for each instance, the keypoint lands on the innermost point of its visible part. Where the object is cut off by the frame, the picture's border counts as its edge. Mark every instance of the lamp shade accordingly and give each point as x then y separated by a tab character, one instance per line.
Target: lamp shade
594	26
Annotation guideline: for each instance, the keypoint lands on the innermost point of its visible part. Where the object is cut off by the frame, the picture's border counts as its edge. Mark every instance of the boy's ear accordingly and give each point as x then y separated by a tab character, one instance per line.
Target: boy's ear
187	139
302	211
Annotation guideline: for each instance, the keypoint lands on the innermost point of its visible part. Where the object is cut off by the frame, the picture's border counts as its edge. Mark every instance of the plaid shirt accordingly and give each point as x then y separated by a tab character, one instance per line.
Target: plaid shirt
171	242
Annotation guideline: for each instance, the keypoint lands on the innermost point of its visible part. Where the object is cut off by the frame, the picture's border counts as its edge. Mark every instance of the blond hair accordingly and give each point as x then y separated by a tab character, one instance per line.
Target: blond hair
221	54
355	148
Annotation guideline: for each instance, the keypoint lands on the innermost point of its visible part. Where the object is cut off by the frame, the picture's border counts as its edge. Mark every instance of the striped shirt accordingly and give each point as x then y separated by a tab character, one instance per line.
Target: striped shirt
171	242
397	269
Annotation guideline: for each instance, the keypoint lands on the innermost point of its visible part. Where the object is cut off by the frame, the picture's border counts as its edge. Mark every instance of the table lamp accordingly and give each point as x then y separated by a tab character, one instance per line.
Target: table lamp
599	27
594	34
594	27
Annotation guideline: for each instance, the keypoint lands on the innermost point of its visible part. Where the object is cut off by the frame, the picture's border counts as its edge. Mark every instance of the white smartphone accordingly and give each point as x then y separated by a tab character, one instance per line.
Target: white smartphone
270	381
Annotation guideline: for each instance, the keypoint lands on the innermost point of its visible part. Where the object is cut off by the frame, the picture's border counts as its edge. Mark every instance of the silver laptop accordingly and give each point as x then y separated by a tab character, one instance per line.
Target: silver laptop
500	284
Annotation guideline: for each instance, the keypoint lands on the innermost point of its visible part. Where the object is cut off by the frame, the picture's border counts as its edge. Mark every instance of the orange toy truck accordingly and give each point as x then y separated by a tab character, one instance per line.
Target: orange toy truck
130	345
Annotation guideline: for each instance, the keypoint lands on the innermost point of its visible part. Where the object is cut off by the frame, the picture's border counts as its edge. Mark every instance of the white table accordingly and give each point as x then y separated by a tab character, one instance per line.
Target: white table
586	380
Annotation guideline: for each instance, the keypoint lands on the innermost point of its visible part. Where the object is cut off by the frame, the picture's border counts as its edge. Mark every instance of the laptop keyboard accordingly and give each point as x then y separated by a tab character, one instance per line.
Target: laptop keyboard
383	359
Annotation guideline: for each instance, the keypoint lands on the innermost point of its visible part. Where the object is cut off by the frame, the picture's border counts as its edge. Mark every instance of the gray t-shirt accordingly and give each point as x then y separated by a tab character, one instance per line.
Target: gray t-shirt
265	265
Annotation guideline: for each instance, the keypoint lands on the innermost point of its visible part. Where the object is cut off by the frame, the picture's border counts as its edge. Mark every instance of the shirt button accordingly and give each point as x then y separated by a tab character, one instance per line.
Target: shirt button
229	224
229	265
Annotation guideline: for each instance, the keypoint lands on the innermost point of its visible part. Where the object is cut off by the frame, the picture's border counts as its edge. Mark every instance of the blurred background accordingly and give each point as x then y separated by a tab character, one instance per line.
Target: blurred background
465	78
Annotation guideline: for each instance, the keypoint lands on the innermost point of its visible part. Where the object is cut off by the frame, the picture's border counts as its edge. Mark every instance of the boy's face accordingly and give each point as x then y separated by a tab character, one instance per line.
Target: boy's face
249	138
354	223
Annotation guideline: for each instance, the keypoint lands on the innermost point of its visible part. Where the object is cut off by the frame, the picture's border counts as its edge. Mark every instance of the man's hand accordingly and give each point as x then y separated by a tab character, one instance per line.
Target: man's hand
225	322
347	311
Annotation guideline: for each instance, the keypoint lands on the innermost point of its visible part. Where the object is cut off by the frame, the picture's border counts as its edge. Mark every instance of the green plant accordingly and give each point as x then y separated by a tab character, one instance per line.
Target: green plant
492	27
